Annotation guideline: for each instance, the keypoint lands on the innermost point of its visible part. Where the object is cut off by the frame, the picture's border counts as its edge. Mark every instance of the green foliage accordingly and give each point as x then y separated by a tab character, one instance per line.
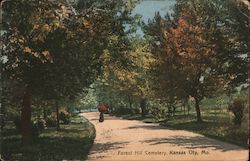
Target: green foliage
237	108
51	120
53	51
34	130
64	116
159	113
135	110
41	124
17	123
35	127
121	110
198	53
51	145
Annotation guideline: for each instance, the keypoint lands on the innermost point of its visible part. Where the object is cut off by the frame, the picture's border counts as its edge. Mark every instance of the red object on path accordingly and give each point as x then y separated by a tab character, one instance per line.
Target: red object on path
102	108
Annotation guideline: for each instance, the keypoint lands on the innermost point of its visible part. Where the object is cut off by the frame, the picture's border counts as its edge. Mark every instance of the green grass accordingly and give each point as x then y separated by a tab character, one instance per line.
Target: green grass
217	121
72	142
217	126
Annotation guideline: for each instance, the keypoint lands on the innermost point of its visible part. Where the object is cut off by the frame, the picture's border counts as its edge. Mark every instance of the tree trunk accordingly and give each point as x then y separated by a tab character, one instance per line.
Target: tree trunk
143	107
130	102
26	118
57	117
44	113
184	105
184	109
174	108
2	116
197	109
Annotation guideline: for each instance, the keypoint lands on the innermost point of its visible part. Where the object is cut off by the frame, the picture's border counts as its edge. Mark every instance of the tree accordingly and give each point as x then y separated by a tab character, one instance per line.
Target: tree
234	47
185	55
26	24
53	51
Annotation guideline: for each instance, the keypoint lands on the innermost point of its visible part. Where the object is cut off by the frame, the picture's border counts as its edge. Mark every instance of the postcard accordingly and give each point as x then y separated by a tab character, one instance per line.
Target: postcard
124	80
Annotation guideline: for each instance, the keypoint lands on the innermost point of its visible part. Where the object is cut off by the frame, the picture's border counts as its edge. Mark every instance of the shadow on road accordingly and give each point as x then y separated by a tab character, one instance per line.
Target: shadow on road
106	117
104	147
148	126
193	143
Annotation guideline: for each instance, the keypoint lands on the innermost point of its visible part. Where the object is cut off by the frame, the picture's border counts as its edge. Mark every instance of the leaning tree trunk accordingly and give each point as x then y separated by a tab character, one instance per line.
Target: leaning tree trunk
197	109
26	117
57	117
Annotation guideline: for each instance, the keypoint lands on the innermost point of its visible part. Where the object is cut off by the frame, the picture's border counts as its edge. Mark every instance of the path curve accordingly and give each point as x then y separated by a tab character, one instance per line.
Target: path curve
124	140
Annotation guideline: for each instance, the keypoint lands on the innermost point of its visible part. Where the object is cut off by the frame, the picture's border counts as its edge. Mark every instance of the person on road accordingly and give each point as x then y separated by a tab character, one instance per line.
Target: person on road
102	109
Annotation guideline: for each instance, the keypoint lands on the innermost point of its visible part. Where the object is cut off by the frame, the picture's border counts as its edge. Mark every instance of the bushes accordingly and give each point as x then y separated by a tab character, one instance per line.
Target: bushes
17	123
41	124
36	126
51	120
122	110
158	113
135	110
64	116
237	108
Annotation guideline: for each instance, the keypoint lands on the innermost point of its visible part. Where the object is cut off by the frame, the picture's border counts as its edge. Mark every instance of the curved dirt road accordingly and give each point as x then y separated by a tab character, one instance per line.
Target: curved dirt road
124	140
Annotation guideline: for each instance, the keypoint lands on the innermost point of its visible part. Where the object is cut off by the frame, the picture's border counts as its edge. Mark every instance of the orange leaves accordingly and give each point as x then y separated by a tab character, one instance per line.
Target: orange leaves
44	56
27	50
189	39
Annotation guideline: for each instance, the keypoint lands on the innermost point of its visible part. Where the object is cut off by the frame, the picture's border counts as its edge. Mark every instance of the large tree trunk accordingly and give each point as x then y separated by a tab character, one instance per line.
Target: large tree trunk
57	117
26	117
197	109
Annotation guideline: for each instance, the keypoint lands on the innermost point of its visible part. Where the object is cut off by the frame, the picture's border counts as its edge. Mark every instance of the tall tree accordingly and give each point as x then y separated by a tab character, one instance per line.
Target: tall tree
53	51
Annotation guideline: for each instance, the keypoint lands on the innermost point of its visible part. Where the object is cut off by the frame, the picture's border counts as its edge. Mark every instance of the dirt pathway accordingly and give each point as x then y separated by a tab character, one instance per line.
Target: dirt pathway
124	140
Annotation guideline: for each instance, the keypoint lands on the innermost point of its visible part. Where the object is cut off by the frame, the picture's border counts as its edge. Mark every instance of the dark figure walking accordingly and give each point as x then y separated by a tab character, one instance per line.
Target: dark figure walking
101	119
102	109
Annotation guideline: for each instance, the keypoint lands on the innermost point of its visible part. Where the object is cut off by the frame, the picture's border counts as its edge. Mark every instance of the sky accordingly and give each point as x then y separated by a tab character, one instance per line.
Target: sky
148	8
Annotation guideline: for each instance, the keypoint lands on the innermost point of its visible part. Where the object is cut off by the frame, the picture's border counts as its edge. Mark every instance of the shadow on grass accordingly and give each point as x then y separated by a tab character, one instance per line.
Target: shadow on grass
71	142
193	143
47	148
222	131
192	125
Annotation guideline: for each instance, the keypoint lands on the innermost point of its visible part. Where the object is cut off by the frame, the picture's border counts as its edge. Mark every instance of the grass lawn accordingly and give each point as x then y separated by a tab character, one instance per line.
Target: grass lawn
215	126
72	142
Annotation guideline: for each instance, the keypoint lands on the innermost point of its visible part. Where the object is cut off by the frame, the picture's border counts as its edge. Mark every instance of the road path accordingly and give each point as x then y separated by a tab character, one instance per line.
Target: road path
124	140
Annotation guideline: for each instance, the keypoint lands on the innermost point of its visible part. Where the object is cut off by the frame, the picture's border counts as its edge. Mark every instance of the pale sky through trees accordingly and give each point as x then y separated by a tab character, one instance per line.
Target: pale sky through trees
148	8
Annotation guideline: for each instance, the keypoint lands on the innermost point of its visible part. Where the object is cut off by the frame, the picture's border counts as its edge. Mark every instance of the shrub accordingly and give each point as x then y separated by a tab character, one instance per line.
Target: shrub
51	120
34	126
158	113
122	110
64	116
136	111
237	108
41	124
34	129
17	123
